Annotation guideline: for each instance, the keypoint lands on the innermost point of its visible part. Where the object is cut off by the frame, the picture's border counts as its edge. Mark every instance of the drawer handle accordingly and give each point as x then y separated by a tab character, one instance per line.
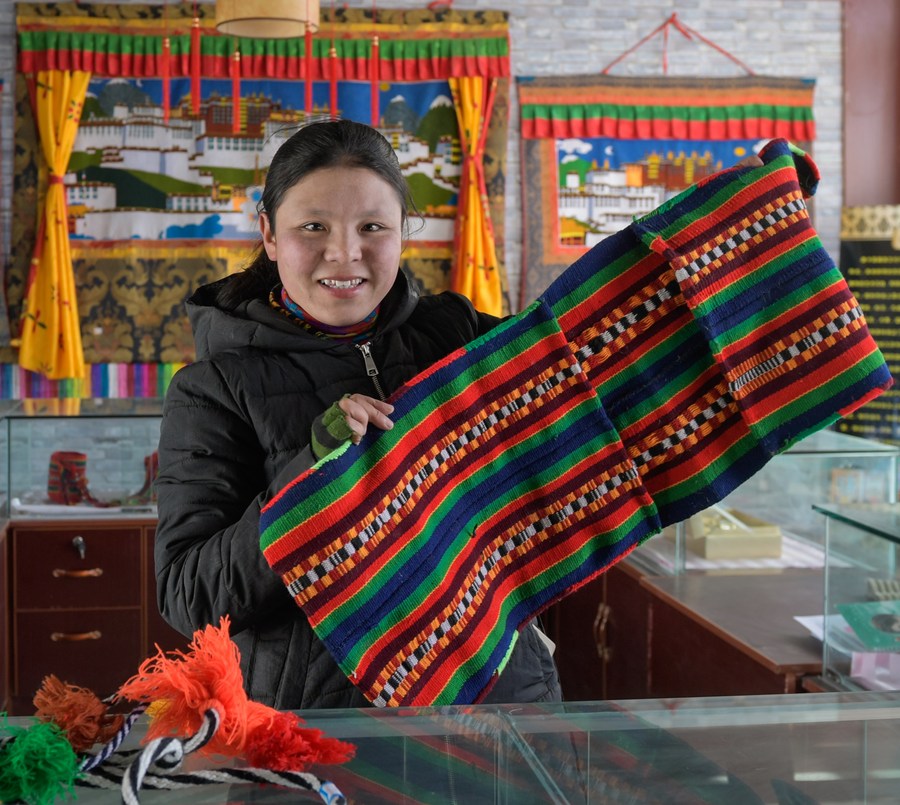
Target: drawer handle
75	637
92	573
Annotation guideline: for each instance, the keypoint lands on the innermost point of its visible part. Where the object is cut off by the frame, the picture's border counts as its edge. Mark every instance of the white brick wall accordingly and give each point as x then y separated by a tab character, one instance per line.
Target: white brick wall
799	38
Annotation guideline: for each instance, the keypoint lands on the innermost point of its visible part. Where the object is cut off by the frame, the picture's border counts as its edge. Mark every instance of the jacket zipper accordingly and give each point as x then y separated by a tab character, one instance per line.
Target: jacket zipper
365	350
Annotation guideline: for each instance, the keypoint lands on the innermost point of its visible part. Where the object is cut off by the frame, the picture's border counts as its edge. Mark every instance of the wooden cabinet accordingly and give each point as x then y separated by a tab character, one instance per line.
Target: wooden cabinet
82	605
601	634
4	617
630	635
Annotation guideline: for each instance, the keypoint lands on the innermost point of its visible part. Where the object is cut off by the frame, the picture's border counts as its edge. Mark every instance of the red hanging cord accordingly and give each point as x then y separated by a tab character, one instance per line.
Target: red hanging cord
332	72
165	67
236	89
195	62
373	69
687	33
308	62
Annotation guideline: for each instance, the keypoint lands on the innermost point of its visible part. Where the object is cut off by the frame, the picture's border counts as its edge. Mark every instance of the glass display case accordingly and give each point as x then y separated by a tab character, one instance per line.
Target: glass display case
769	522
815	748
79	458
861	635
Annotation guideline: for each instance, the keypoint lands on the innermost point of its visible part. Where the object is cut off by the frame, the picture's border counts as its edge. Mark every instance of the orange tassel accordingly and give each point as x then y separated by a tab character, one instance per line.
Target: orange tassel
77	711
184	685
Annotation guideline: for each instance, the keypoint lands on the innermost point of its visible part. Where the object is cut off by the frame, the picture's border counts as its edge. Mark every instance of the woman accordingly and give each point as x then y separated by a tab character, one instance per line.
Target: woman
296	354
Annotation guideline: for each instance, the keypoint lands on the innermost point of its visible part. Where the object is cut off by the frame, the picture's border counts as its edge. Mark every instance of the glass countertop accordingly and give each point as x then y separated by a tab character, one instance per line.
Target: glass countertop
796	749
880	519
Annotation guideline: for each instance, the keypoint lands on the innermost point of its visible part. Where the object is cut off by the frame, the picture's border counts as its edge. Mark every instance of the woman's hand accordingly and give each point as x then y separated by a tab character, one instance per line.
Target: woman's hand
361	411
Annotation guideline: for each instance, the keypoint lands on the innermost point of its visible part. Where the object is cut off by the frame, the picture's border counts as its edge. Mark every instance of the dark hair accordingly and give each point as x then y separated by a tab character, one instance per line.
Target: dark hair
334	143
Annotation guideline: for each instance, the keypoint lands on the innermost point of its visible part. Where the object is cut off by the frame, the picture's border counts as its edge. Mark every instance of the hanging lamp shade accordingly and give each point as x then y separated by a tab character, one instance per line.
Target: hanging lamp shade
266	19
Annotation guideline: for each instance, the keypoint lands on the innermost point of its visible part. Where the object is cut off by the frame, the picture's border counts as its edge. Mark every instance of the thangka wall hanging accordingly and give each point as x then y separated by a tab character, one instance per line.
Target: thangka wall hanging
165	165
599	150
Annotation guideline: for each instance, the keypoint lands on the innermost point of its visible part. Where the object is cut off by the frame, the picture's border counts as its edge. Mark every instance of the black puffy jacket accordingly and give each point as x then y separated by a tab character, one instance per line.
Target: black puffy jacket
236	429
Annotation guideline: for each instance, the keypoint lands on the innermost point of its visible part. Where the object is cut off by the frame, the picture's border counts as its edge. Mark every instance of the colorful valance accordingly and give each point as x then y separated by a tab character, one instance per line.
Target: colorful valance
654	376
629	108
448	46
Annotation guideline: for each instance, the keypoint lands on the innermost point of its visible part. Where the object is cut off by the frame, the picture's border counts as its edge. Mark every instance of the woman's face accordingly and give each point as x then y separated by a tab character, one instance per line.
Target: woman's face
338	243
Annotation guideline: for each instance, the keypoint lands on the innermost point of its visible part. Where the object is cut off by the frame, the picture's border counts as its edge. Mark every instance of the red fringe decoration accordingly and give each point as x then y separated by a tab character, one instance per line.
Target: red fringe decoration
195	66
77	712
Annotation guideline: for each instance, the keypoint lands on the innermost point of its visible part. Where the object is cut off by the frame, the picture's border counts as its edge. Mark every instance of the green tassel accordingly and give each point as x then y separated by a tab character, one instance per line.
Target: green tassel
37	764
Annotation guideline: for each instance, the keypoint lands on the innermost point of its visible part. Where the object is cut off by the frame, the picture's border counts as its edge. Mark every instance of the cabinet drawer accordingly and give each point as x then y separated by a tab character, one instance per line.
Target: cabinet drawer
50	572
99	649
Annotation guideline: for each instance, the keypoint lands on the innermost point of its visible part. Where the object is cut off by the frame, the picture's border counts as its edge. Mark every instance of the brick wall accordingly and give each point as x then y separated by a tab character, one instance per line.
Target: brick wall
799	38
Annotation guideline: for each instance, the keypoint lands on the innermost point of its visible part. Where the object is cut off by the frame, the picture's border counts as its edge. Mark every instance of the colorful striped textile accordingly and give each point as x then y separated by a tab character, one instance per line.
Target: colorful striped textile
101	381
660	371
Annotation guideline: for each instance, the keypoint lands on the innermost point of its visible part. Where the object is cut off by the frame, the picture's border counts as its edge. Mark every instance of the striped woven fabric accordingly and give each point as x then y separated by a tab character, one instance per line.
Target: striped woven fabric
659	372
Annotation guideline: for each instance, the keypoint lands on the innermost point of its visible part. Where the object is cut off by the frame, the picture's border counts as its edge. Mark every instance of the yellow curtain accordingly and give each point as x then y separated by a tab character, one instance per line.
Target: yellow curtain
51	330
475	272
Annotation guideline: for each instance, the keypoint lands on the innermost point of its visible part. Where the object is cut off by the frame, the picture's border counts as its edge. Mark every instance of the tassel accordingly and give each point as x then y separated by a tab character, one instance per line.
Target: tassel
77	711
37	764
195	67
236	90
164	73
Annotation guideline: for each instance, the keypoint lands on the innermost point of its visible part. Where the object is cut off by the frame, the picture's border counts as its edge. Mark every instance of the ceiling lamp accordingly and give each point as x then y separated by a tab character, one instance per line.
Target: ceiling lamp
267	19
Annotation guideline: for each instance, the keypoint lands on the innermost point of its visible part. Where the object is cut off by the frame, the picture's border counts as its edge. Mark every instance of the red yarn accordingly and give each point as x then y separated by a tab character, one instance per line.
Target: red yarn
287	745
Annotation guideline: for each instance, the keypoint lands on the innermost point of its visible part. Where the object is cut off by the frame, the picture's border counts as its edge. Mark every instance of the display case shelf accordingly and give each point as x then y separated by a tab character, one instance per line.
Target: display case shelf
110	445
826	468
861	598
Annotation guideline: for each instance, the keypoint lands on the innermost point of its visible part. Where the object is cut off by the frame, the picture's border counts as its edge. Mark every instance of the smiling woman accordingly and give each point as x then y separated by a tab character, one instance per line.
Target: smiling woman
296	355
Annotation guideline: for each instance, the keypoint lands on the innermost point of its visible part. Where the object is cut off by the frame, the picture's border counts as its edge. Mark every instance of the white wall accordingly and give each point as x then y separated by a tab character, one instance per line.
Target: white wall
798	38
